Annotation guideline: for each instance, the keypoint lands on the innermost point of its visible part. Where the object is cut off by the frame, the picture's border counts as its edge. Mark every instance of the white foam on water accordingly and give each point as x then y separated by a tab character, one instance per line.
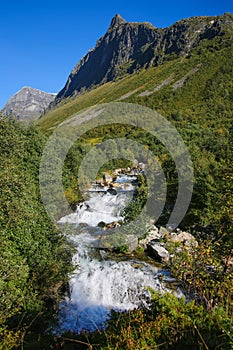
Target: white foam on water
99	286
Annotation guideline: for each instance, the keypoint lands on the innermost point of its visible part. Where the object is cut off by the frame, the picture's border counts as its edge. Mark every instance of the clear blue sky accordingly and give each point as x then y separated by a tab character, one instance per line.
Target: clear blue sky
41	41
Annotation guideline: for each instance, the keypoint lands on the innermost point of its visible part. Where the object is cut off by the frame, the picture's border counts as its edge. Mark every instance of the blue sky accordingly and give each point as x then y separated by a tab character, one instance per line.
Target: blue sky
41	41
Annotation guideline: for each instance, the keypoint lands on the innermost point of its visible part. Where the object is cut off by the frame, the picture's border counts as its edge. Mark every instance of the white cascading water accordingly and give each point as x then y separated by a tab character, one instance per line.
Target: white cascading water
99	286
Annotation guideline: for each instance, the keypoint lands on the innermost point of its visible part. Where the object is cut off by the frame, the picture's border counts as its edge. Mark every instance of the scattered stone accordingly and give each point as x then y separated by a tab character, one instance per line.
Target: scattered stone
185	238
116	185
113	224
117	172
100	182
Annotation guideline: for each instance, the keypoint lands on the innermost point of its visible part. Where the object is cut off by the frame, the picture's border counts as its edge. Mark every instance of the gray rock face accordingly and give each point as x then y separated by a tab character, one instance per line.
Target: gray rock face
112	57
128	47
27	103
116	21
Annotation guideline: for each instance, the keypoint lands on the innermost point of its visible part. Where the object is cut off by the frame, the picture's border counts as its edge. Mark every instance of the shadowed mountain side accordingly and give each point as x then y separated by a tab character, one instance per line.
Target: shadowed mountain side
129	47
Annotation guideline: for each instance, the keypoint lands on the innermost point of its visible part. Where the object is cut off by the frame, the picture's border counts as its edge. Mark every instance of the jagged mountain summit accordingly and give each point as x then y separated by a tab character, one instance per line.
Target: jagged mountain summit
28	103
116	21
128	47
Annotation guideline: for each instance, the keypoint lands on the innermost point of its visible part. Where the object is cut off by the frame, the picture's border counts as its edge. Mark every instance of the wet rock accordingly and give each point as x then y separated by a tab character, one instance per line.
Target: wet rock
111	225
101	224
112	191
117	241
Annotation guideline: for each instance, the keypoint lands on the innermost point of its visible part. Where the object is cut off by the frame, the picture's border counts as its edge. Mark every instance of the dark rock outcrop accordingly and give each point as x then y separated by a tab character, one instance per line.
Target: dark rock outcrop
27	103
128	47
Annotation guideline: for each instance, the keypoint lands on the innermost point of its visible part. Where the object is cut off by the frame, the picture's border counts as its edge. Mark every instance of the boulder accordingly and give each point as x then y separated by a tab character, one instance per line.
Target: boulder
117	172
157	251
101	224
100	182
115	185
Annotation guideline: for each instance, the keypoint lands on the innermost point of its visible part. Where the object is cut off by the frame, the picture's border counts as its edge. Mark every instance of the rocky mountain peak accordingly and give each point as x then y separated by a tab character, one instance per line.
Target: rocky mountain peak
27	103
130	46
116	21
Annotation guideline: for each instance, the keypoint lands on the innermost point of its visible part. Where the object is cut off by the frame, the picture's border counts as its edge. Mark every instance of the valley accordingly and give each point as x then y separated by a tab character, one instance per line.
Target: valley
116	196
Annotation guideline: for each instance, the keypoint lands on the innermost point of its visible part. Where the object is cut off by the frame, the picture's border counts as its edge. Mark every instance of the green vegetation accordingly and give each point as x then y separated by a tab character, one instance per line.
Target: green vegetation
35	257
201	110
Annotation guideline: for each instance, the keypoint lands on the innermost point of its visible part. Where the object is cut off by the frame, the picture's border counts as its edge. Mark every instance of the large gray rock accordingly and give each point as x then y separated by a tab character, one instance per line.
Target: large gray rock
28	103
157	251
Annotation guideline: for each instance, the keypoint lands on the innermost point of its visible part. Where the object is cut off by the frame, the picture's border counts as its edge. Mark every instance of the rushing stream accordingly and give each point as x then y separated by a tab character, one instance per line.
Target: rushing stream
100	285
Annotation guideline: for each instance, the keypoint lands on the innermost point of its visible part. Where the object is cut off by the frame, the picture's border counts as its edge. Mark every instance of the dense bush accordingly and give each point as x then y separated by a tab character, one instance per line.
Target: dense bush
34	256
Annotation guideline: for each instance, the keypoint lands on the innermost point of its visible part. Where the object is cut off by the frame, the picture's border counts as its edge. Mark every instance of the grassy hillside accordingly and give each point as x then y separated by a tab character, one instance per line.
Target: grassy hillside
195	94
206	91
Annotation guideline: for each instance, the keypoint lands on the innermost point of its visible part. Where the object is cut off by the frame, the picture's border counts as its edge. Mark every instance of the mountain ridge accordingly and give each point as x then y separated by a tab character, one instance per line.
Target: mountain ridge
127	47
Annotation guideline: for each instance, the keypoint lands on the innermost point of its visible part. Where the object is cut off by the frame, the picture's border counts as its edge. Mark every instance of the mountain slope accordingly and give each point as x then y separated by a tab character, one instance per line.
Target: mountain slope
129	47
195	94
27	103
198	87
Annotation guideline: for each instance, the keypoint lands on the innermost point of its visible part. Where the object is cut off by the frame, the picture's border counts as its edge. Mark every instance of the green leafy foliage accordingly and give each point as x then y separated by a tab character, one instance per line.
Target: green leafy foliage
34	256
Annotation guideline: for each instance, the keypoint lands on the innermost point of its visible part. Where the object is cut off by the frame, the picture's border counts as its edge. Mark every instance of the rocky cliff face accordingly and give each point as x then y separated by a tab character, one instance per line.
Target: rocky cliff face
28	103
128	47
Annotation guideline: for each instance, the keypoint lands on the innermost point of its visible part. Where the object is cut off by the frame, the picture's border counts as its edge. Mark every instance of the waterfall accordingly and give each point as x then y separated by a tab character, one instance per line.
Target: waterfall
98	286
